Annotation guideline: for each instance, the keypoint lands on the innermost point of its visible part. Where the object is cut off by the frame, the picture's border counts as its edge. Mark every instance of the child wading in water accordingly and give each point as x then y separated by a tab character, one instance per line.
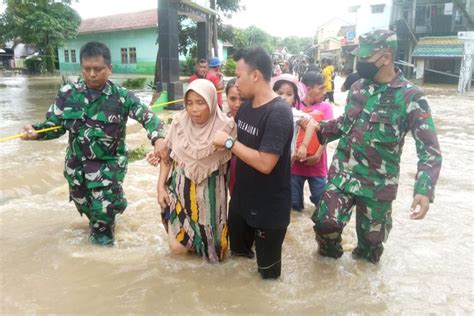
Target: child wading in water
291	90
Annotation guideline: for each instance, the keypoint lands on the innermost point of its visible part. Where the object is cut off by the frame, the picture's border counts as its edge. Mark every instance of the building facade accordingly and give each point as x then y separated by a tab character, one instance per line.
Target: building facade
327	40
372	15
131	37
427	32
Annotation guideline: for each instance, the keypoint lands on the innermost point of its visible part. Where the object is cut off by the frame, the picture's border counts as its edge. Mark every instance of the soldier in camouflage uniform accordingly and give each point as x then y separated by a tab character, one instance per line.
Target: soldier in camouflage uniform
381	109
95	113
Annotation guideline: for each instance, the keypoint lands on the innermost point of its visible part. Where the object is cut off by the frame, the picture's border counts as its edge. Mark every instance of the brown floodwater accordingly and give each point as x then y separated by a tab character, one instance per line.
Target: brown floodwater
48	266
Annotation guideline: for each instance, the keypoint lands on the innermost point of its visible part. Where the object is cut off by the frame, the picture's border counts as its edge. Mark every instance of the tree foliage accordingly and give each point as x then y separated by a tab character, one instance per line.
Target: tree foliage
253	36
187	35
295	44
239	38
45	24
187	28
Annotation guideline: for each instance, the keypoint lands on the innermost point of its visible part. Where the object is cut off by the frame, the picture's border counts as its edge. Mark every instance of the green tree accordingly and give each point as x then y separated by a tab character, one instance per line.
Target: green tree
45	24
187	36
253	36
295	44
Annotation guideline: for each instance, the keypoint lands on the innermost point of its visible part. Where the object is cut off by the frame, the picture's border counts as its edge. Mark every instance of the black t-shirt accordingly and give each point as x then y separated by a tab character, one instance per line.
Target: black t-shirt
264	201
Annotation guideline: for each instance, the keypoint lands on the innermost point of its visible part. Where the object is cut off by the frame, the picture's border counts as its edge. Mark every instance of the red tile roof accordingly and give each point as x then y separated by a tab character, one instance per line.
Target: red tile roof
124	21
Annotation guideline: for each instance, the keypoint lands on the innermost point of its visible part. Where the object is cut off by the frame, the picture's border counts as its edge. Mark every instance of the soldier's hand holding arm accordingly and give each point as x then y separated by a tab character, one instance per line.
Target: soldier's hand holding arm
419	206
152	159
161	151
28	133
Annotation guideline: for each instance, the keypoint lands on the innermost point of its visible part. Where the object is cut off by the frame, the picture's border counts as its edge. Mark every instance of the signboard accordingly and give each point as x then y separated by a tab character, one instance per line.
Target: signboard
448	9
466	35
196	10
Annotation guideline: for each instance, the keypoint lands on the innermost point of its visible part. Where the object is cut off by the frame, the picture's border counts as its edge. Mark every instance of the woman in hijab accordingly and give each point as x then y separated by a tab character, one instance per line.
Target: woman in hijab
192	190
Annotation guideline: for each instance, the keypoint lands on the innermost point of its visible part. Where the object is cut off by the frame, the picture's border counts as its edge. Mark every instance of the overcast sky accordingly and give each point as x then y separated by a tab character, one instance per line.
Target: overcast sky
278	17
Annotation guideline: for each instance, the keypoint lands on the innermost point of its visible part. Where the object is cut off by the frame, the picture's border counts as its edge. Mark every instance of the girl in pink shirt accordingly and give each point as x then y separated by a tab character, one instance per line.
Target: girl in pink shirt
313	168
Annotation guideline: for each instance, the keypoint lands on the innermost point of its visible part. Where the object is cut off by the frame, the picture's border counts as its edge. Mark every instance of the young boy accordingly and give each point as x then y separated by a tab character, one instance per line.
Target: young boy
95	111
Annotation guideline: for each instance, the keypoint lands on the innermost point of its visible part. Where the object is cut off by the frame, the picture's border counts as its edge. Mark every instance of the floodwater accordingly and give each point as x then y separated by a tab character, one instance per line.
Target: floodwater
48	266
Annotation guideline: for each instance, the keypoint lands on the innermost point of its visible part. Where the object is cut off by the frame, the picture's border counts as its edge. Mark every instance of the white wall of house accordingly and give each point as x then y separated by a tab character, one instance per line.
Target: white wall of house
329	29
373	15
21	50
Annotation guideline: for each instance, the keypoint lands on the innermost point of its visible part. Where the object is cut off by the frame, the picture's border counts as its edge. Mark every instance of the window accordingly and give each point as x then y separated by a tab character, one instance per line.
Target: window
73	55
377	8
66	56
124	54
133	55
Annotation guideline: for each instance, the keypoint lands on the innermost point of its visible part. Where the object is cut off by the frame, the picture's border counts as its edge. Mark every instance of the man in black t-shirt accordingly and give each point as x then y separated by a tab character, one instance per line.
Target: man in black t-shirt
260	206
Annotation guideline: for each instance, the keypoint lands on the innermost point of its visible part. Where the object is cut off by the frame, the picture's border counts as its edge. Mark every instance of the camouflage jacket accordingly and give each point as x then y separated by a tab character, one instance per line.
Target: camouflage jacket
97	129
372	132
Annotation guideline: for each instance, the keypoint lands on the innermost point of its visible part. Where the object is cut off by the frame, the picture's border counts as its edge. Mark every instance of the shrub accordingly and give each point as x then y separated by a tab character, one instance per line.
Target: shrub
229	68
35	64
187	67
134	83
138	153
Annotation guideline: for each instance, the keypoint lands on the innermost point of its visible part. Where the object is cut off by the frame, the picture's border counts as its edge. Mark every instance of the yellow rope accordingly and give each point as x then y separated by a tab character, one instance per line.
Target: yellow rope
161	106
4	139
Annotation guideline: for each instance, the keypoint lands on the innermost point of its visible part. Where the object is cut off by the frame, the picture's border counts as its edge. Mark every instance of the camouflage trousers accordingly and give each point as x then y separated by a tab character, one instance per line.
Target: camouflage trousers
373	223
96	188
99	204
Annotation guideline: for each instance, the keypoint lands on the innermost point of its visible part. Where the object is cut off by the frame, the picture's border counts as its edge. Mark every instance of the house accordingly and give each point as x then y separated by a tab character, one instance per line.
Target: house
349	42
437	57
372	15
14	55
327	41
131	37
427	32
330	48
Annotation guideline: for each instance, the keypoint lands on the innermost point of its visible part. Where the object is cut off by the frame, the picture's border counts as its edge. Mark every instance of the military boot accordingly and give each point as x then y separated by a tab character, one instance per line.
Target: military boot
102	233
372	255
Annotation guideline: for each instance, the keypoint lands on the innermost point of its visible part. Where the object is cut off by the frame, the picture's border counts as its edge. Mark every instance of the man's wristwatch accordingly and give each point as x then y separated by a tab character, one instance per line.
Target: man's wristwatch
229	143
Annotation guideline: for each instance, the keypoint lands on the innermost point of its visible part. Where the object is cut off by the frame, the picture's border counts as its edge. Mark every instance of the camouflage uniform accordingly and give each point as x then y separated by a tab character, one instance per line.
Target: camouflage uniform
96	158
365	168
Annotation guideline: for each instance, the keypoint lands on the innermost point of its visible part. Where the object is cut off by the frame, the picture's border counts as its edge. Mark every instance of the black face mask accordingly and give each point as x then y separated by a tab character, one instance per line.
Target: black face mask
367	70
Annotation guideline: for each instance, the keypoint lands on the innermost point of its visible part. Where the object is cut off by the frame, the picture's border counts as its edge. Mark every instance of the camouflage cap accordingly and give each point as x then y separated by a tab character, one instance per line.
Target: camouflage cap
373	41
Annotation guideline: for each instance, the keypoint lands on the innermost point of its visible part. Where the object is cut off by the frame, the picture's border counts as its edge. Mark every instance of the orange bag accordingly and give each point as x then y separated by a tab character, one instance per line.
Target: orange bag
314	143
